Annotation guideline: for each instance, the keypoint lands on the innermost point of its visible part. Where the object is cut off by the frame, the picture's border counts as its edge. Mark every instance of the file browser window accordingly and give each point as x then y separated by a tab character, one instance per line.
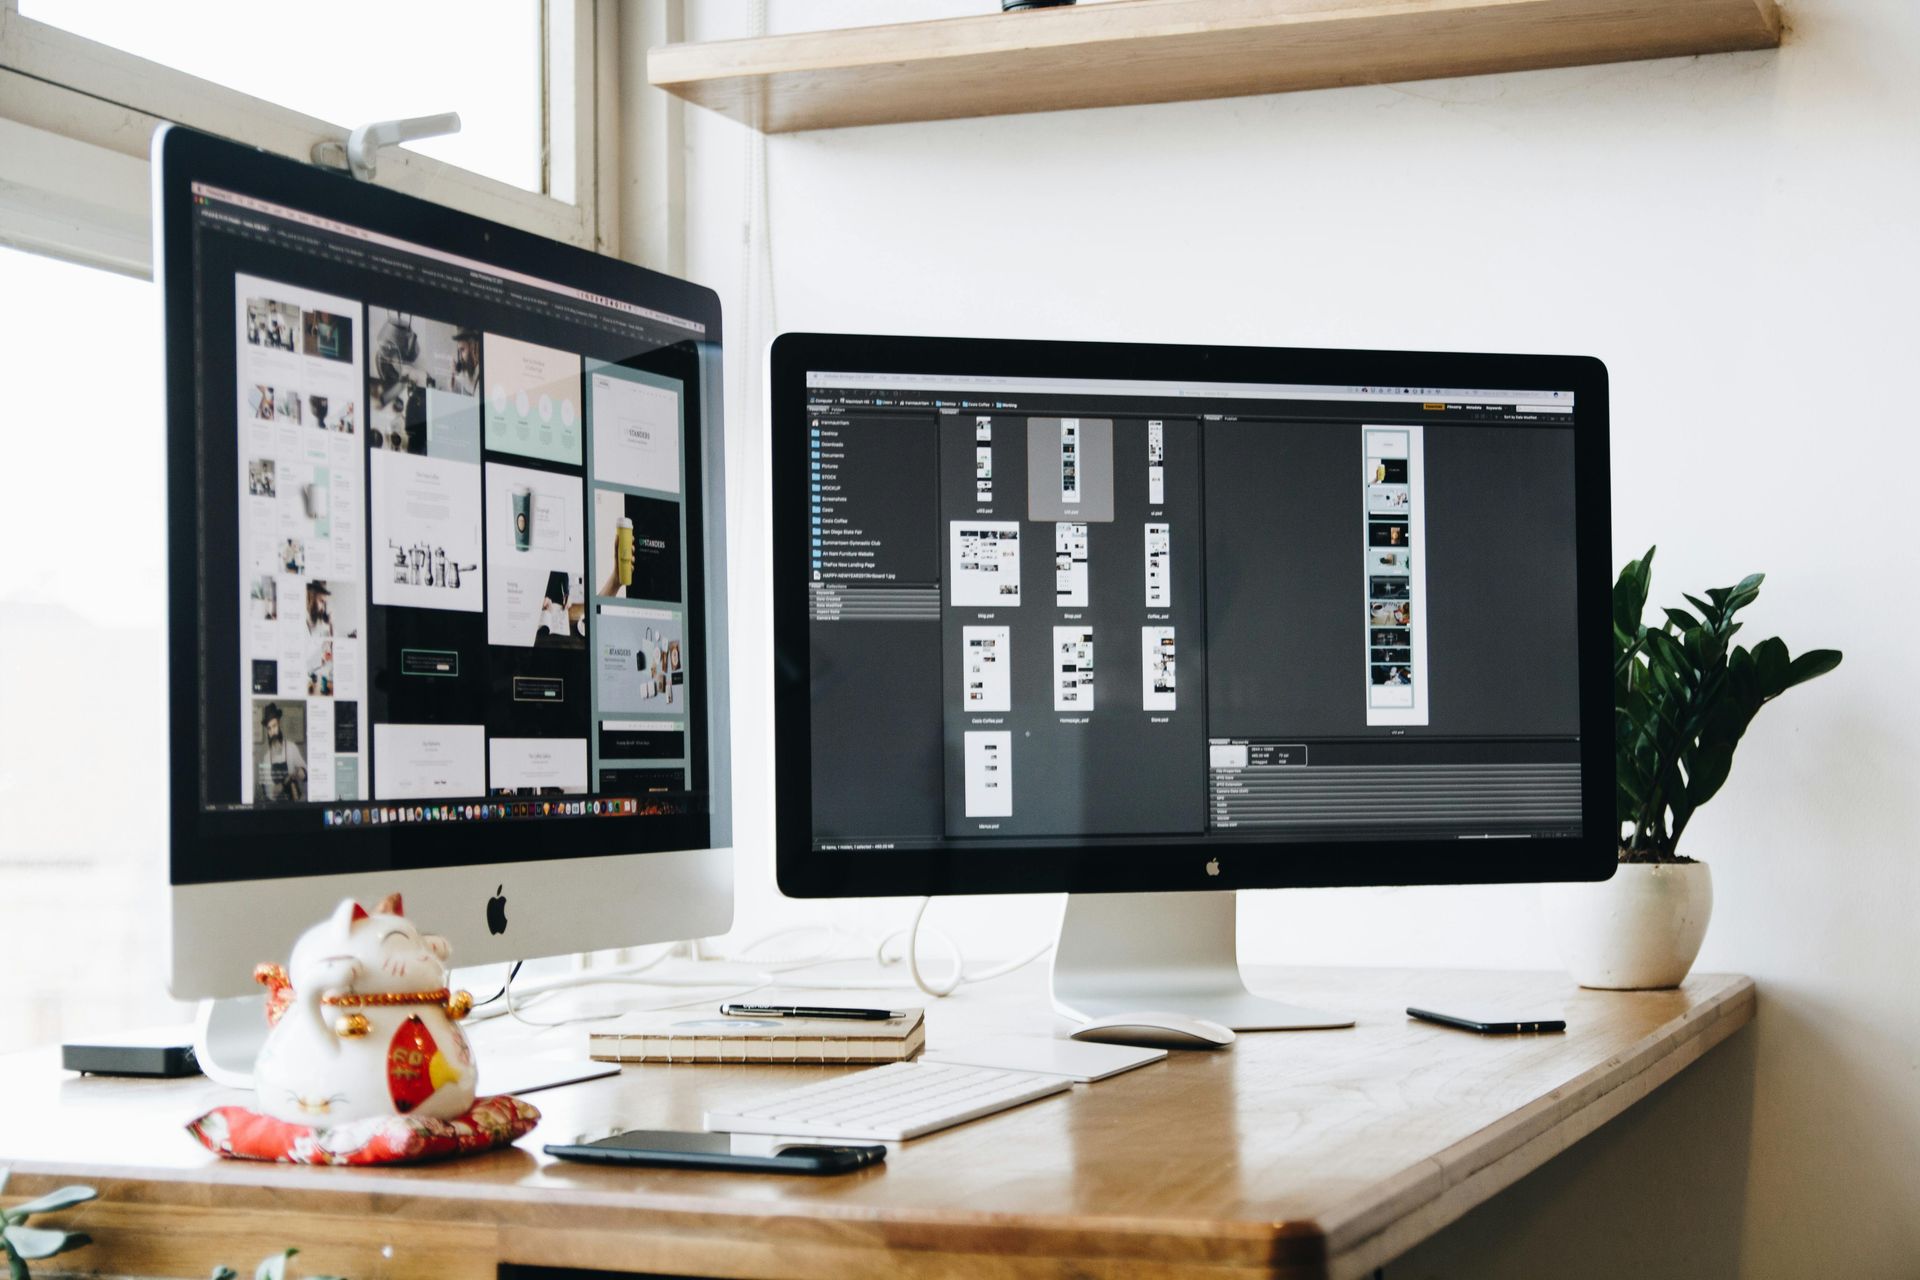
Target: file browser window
1057	611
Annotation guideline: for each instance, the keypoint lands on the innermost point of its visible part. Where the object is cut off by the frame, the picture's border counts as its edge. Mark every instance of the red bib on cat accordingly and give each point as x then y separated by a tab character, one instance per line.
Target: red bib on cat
410	1065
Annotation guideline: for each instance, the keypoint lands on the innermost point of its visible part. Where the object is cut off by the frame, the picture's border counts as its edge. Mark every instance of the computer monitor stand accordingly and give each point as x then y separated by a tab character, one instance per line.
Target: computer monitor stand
1174	952
228	1035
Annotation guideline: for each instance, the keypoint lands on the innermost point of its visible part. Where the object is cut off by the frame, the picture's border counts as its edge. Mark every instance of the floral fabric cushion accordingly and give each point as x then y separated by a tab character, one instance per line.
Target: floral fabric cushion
245	1135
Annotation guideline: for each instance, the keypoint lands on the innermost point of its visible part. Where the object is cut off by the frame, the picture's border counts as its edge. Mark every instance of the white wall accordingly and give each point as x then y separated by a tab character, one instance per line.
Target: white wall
1735	236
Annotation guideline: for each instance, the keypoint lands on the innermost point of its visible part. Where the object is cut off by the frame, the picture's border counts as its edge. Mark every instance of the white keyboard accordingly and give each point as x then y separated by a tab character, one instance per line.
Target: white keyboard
888	1104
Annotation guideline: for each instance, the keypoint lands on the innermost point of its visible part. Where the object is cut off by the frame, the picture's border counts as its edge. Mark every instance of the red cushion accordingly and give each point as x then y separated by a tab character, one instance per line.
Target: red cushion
246	1135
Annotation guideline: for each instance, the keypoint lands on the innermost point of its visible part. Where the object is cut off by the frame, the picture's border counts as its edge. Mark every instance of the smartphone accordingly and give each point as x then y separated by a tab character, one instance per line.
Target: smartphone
673	1149
1489	1027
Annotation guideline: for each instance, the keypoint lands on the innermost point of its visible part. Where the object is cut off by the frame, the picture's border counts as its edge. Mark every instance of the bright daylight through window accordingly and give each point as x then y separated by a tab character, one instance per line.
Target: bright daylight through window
353	61
82	617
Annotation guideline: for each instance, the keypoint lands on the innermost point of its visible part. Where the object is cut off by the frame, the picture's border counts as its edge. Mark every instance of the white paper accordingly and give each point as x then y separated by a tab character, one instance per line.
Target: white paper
536	766
412	761
1159	566
984	564
1394	580
1156	669
1072	669
636	433
426	532
988	667
1156	463
302	541
1069	460
989	767
1070	565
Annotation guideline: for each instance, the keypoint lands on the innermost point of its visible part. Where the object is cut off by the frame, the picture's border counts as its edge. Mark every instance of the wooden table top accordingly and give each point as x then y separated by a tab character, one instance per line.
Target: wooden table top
1298	1154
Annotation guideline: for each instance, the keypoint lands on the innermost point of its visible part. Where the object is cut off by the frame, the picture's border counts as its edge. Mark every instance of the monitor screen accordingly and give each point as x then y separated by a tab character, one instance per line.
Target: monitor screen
1076	613
444	540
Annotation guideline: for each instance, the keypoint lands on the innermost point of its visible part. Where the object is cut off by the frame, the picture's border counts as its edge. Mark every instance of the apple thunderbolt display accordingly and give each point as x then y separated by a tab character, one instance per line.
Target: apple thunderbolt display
1140	622
446	578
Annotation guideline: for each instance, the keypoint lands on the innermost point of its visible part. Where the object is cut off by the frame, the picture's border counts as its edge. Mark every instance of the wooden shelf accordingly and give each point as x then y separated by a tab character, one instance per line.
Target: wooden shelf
1132	51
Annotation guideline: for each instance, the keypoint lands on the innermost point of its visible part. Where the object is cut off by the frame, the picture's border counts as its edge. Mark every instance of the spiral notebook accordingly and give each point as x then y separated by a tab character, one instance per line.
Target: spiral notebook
802	1041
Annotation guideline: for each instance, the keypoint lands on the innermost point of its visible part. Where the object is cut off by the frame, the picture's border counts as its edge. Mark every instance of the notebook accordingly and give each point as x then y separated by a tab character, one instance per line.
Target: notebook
805	1041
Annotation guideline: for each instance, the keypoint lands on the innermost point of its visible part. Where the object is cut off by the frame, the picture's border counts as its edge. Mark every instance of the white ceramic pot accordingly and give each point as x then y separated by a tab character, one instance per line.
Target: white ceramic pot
1637	931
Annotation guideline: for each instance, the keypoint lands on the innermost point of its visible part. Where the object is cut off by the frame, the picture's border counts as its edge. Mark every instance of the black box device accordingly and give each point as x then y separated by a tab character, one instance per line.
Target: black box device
164	1052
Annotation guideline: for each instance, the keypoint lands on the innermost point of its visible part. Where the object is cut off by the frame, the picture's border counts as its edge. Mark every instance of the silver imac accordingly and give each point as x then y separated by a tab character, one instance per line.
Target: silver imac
447	580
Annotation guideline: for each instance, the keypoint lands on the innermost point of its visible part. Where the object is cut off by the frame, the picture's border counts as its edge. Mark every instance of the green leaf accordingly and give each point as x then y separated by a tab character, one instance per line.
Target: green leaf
1770	664
1707	611
1814	662
17	1267
43	1242
1745	592
1681	619
54	1201
1707	772
224	1273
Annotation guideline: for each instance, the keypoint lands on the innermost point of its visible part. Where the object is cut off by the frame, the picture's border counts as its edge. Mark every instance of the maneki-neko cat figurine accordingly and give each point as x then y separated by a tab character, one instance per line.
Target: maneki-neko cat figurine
363	1024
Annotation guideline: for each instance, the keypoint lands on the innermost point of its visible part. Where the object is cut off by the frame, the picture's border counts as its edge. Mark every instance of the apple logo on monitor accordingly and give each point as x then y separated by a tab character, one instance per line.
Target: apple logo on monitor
1213	867
497	911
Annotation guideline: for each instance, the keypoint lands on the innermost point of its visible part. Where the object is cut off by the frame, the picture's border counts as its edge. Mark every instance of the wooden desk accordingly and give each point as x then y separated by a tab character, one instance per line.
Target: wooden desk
1296	1154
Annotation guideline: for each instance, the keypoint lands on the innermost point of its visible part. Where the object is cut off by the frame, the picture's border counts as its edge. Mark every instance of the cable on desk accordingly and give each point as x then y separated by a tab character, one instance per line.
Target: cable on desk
769	975
918	980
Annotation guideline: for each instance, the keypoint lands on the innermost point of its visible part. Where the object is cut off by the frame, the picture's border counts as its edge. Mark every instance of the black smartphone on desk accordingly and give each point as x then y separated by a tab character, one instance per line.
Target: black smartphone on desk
675	1149
1488	1025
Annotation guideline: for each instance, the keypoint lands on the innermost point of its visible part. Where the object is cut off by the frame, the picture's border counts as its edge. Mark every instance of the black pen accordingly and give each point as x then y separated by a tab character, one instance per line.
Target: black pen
806	1011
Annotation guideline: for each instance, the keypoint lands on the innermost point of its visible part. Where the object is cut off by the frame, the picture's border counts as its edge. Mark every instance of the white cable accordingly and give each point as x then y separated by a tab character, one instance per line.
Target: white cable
824	955
957	979
777	974
513	1008
959	974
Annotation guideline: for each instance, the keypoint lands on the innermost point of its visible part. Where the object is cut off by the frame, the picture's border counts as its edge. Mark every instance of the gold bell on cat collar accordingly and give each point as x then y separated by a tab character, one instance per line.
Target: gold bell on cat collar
348	1026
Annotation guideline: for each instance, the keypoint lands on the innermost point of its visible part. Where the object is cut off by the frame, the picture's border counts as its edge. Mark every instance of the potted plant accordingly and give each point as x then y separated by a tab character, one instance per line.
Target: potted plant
1683	696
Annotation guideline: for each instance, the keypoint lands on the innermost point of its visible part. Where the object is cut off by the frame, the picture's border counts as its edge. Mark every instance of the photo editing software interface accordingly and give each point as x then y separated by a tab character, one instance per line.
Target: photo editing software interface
1064	611
445	532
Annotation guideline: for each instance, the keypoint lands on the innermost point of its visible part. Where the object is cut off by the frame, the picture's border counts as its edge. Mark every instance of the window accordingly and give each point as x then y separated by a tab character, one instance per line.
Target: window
82	625
295	78
353	61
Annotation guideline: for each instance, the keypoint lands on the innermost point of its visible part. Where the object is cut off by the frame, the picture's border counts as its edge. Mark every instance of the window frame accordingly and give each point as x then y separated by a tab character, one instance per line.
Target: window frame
82	190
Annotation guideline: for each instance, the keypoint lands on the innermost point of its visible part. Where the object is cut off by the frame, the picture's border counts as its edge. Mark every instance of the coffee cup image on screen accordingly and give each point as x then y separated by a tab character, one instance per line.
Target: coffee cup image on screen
279	751
532	400
636	546
641	659
536	558
522	518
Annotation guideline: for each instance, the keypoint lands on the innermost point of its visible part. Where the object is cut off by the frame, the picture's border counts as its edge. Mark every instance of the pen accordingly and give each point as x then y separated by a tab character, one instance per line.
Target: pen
806	1011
